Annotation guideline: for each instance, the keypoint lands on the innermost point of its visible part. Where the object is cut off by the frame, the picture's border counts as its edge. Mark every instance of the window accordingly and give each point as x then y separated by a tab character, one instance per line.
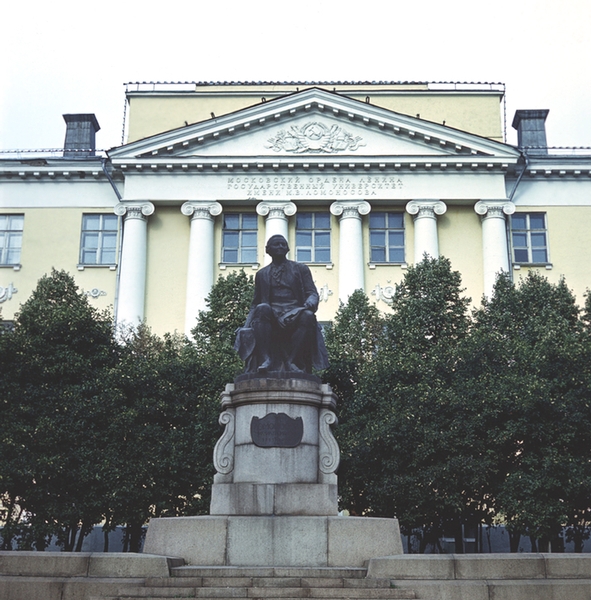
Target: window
529	238
239	238
98	245
11	239
386	237
313	237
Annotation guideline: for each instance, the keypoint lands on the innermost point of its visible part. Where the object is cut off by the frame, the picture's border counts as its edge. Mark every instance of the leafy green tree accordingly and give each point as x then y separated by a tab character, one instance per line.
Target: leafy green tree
52	366
533	365
161	433
353	342
215	332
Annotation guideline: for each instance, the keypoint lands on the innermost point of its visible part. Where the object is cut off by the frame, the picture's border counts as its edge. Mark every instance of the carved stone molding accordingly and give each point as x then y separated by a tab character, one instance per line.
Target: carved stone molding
384	293
223	453
134	210
324	292
330	455
494	208
277	210
314	137
6	292
347	209
95	293
426	208
201	210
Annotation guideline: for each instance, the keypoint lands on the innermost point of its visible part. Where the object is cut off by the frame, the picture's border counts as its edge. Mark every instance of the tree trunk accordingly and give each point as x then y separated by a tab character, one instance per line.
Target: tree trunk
514	539
458	538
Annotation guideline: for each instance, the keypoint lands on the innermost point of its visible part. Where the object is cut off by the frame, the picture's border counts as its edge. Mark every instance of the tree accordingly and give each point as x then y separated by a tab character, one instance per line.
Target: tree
353	342
532	362
52	366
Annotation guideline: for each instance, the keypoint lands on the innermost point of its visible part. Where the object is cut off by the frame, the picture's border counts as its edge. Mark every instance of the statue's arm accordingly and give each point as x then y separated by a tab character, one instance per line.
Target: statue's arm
310	291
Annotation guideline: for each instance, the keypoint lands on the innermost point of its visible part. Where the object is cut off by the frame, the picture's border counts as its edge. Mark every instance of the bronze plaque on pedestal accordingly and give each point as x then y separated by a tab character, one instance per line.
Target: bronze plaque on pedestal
277	430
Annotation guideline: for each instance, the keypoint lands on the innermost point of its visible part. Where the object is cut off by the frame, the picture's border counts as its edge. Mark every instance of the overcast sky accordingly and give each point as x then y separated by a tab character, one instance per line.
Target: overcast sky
72	56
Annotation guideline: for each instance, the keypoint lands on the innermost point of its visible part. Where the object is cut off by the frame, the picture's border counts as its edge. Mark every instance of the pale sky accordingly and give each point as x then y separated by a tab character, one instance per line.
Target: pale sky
69	56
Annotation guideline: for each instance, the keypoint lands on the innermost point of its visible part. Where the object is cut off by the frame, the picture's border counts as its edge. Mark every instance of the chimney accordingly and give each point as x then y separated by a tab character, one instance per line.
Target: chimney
80	135
531	130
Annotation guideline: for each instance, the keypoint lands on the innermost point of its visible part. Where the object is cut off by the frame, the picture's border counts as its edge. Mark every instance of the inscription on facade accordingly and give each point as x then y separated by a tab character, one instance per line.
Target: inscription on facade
314	185
276	430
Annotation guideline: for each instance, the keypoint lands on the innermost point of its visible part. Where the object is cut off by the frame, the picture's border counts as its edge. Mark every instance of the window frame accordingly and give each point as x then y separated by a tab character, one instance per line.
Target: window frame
529	232
242	232
387	229
7	234
315	232
102	233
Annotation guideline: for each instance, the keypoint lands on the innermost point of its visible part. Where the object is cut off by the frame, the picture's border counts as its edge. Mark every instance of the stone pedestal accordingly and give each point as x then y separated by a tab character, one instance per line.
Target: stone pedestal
274	496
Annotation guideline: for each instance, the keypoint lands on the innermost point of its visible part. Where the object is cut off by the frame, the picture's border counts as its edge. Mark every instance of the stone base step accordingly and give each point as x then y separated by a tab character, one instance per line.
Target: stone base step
147	594
307	572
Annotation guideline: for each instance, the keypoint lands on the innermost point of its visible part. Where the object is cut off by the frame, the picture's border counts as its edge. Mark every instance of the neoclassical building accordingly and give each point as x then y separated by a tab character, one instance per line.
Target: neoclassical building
363	179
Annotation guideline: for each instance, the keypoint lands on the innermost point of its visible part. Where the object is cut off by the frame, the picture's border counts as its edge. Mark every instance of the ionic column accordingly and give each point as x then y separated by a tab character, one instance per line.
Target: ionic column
200	268
276	222
495	249
132	275
351	264
425	219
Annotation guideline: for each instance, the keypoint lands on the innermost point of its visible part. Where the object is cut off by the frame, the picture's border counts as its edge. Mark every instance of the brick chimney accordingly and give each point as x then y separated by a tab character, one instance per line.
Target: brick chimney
80	135
531	130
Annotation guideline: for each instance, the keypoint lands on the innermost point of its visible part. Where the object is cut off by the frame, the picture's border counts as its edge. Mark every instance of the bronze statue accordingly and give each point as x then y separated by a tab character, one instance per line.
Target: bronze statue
281	332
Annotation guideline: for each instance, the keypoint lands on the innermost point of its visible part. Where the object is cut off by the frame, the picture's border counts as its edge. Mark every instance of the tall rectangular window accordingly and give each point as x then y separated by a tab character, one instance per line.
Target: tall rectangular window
313	237
386	237
529	238
11	239
98	244
239	238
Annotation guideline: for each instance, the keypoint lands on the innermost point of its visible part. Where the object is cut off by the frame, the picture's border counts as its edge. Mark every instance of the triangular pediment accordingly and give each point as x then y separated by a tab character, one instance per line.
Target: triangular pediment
315	126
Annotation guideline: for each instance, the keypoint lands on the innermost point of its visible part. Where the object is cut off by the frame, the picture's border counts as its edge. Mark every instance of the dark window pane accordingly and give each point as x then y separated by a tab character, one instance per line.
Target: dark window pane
396	220
521	255
231	221
378	255
539	256
230	255
304	255
303	220
322	221
249	255
249	238
520	240
397	255
538	240
231	239
322	239
396	238
536	221
377	220
518	221
249	221
303	238
90	240
377	238
323	255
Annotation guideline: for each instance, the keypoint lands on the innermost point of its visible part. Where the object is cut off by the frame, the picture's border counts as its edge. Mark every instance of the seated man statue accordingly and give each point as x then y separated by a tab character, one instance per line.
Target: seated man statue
281	332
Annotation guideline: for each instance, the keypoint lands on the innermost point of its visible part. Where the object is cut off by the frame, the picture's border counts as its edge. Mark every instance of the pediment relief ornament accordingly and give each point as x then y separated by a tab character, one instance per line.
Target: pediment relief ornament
314	137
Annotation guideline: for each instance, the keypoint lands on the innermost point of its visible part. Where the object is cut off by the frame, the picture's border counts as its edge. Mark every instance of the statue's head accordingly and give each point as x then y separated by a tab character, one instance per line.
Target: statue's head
277	246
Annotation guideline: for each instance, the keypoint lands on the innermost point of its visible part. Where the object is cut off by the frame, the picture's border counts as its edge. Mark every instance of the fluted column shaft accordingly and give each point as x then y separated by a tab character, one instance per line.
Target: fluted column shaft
495	249
132	281
351	264
200	268
425	214
276	221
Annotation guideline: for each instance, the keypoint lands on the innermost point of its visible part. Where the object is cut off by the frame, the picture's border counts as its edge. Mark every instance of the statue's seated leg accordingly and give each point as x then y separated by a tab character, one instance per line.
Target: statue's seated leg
262	323
299	350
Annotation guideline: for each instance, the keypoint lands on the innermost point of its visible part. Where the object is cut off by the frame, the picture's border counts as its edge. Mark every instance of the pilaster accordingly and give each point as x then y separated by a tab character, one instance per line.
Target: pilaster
200	269
351	264
425	213
495	247
276	221
132	284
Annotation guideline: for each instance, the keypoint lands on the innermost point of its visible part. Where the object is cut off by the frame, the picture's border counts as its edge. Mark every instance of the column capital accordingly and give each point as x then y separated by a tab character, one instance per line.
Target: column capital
201	209
134	210
494	208
426	208
276	209
350	208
